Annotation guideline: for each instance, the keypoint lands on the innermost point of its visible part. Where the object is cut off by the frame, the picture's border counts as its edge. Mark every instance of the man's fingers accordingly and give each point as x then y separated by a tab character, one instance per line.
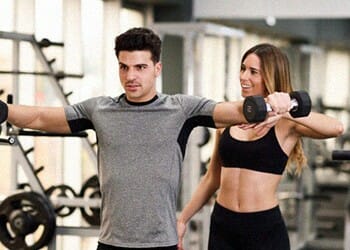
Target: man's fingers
280	102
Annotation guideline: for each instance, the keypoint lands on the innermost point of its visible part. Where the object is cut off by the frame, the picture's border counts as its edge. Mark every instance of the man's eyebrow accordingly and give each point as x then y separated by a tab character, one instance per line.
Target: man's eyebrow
141	64
136	65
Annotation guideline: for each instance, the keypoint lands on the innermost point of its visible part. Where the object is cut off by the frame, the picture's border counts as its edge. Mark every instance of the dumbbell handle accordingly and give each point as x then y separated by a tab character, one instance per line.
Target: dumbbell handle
294	104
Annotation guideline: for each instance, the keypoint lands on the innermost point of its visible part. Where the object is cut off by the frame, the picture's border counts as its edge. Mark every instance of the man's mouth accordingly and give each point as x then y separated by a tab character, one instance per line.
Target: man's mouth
132	86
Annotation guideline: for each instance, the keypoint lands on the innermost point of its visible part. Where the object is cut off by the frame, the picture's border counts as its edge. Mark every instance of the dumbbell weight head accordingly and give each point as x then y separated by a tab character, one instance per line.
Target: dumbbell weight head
254	108
3	111
304	104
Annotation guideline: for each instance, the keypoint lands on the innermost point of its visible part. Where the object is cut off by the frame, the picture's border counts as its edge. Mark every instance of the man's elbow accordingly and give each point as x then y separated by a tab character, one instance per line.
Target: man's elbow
339	129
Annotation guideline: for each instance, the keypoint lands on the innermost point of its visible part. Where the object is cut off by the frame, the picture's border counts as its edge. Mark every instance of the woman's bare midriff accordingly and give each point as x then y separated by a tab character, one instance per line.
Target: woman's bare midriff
244	190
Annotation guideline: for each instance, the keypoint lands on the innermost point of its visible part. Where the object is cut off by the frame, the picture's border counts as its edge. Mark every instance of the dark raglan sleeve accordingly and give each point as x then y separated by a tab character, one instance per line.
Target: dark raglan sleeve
199	109
79	115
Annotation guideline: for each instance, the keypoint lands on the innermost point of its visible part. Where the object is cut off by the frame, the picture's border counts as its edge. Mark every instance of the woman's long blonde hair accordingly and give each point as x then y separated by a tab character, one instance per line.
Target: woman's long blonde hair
275	72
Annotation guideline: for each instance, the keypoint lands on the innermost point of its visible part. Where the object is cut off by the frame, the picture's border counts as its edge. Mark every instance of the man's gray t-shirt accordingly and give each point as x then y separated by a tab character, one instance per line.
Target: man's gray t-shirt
141	148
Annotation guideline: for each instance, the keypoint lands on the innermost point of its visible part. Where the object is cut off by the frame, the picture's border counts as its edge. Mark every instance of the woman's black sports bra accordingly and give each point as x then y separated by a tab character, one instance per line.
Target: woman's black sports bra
264	154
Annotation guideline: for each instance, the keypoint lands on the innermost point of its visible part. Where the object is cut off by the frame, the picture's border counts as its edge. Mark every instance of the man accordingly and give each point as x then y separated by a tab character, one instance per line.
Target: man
142	138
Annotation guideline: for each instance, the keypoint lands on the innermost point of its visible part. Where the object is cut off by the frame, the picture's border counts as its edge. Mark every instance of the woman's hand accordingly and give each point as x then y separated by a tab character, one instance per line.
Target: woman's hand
261	127
181	230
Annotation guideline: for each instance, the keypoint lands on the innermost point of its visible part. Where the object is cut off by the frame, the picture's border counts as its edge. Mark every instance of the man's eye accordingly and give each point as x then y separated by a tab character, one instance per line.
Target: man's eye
141	67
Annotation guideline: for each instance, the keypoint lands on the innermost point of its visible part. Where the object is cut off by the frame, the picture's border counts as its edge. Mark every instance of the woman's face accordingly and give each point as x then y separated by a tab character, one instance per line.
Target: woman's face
250	77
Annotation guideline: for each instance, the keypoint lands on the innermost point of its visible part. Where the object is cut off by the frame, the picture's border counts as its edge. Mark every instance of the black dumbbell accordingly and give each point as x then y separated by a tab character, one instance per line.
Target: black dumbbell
255	108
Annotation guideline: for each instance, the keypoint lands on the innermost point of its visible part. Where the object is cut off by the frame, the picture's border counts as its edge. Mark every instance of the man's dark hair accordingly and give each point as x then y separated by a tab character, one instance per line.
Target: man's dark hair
139	39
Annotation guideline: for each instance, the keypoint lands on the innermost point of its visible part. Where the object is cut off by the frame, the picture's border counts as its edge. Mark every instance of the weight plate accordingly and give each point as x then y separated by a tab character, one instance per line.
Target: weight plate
91	189
27	221
62	191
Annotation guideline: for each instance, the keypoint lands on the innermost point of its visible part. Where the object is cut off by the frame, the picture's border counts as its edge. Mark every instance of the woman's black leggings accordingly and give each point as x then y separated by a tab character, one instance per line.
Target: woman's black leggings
263	230
102	246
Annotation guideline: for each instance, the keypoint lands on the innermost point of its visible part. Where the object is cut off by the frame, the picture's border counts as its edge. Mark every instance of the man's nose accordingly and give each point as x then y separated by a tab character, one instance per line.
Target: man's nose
131	74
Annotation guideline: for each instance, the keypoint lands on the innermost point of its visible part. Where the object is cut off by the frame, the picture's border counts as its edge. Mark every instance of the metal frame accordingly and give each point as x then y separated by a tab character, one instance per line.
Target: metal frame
35	184
19	154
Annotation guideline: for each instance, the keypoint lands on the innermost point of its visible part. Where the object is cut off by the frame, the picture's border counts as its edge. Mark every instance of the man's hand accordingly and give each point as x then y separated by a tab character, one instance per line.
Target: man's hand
280	102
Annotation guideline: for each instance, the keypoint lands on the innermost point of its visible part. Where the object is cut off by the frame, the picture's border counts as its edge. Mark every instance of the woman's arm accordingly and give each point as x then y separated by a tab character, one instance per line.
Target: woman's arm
208	185
317	126
49	119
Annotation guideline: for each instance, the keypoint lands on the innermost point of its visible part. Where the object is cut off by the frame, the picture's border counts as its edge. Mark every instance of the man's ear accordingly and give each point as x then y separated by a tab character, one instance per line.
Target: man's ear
158	68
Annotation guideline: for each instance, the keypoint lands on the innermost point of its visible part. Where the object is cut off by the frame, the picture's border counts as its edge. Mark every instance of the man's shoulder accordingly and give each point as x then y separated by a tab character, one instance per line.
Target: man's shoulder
177	97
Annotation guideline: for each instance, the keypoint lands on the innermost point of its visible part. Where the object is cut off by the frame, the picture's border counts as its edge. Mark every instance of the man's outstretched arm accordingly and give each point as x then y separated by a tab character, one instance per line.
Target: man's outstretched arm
49	119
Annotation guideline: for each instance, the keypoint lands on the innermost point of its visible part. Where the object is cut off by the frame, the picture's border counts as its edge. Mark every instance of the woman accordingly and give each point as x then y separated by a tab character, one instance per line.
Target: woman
248	162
